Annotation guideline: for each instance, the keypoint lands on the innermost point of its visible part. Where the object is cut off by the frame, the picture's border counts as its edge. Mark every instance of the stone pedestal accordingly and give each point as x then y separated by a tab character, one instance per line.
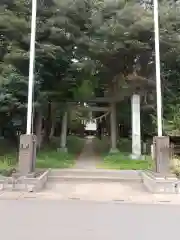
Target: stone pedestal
136	127
114	150
64	149
157	183
161	180
161	148
27	154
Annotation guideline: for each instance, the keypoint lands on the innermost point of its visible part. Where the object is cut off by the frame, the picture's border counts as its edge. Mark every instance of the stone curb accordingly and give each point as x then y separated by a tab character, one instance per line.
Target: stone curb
160	185
27	184
128	200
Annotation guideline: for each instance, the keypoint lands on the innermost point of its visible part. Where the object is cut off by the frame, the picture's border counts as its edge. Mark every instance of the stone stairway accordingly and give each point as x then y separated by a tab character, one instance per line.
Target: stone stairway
94	175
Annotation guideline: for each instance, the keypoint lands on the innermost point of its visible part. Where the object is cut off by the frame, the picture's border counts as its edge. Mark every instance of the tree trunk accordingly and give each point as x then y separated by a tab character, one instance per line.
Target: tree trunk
113	124
53	120
38	127
99	130
47	124
63	142
51	135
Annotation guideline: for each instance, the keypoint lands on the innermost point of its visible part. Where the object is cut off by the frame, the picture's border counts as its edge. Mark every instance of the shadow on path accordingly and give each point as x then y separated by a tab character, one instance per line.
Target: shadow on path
88	159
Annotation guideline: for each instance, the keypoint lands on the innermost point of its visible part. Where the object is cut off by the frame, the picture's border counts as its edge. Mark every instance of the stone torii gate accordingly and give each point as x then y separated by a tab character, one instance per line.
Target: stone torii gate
65	124
136	126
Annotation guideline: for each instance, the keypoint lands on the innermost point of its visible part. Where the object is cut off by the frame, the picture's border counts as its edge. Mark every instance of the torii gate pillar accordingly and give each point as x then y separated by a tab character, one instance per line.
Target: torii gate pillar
113	124
136	126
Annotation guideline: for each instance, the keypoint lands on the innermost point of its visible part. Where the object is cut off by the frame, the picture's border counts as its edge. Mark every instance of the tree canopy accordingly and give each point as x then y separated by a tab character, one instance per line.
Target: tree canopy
83	48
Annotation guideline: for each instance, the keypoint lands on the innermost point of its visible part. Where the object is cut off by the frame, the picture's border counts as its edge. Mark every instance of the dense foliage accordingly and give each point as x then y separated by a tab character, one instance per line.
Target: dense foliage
83	47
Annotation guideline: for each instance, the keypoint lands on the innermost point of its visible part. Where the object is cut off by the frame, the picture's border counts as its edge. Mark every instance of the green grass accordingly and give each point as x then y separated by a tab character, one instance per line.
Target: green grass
120	161
7	163
48	157
54	159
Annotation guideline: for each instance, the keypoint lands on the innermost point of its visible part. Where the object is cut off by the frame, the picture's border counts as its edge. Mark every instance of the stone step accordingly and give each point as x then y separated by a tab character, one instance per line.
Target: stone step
94	175
90	179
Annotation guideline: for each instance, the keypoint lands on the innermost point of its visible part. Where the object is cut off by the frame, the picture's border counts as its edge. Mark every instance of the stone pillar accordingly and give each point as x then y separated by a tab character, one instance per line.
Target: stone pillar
27	154
113	129
160	179
63	144
162	155
136	126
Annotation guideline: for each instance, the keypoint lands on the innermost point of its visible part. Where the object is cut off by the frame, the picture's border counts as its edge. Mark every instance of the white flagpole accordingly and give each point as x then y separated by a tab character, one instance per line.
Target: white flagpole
31	68
158	69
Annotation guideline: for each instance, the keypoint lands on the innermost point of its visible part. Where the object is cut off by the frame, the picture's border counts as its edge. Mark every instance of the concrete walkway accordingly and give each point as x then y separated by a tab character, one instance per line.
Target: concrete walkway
95	192
88	159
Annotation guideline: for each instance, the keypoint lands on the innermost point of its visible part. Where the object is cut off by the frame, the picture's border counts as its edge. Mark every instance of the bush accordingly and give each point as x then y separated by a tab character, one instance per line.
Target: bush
101	146
124	145
175	166
8	163
75	144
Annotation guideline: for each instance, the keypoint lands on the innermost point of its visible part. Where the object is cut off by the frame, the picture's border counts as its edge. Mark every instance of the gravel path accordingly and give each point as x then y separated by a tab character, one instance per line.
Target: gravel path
88	159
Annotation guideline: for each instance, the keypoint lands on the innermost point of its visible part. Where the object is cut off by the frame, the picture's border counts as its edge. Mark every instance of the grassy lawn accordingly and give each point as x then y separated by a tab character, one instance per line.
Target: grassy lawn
48	157
53	159
7	163
120	161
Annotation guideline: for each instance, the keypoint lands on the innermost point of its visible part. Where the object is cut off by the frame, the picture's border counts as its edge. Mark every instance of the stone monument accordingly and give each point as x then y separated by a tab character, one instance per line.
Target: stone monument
27	154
